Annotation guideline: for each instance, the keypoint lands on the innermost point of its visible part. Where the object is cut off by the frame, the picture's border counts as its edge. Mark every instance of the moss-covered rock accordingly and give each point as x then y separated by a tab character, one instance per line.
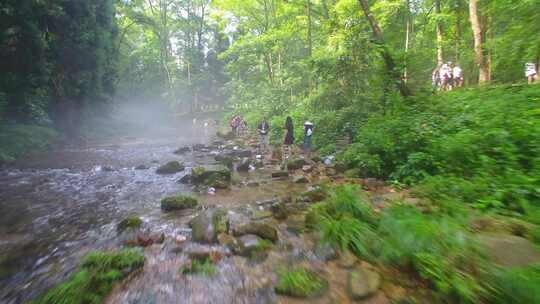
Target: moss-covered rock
170	168
129	223
99	272
262	230
206	226
296	163
315	194
178	202
217	176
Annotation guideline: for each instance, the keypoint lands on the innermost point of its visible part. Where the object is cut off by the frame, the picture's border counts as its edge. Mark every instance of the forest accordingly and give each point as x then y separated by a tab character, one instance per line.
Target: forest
422	159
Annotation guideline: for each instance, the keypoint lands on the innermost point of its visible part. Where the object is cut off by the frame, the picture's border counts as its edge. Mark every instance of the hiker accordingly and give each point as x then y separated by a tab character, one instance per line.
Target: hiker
289	137
263	129
457	74
445	76
530	72
308	132
436	79
234	124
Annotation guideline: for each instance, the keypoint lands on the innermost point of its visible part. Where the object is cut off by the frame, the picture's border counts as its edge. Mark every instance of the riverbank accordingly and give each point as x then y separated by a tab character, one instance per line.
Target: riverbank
264	233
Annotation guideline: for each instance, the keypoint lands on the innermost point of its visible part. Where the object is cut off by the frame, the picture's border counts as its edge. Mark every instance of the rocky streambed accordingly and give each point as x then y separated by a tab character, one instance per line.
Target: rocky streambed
246	228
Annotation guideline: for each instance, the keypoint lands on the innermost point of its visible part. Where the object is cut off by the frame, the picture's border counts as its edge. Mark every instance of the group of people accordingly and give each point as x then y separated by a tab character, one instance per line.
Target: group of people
238	125
288	141
447	76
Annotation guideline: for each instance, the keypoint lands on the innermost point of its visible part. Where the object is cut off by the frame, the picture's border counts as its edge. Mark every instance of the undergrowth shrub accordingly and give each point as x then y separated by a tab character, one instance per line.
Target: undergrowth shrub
99	271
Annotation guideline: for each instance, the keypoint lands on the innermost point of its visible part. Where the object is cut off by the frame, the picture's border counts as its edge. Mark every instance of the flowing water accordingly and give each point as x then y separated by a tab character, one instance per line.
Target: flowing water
57	206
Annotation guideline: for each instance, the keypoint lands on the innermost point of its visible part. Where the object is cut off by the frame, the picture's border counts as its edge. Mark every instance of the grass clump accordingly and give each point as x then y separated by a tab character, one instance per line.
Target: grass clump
178	202
128	223
517	285
17	140
99	271
204	267
300	283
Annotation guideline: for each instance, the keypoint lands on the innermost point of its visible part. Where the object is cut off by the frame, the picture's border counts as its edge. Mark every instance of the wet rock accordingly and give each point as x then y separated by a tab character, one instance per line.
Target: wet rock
178	202
202	254
186	179
315	194
199	147
280	174
347	259
227	240
260	215
212	176
145	240
279	211
129	223
509	250
247	244
363	283
170	168
107	168
244	165
225	135
325	252
296	163
142	167
206	226
296	223
307	168
262	230
182	150
300	180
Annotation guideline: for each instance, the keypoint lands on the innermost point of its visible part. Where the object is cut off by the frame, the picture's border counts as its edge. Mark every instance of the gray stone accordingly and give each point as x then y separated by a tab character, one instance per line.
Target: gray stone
247	244
347	259
170	168
363	283
300	179
509	250
262	230
206	226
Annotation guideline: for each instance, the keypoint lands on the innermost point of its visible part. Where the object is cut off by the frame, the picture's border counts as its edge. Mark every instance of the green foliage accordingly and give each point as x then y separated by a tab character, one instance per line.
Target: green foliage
204	267
99	271
300	283
517	285
477	146
348	233
17	140
130	222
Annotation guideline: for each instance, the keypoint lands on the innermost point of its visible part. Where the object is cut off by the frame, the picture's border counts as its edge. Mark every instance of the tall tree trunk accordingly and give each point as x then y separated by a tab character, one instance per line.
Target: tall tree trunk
390	65
483	77
407	38
459	31
308	11
440	58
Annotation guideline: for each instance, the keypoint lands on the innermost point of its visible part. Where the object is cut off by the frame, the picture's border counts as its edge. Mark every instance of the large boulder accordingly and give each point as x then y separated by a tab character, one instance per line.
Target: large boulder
248	245
178	202
170	168
296	163
206	226
509	250
363	283
262	230
217	176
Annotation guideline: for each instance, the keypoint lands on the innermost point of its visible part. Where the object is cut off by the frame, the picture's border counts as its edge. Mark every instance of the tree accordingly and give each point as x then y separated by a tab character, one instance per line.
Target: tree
483	77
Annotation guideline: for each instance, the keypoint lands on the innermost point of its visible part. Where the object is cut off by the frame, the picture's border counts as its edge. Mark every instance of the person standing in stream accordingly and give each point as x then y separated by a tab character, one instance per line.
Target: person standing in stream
308	132
289	137
263	129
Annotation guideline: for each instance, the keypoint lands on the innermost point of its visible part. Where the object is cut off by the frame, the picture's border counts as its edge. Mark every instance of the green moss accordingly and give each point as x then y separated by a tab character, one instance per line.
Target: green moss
178	202
99	271
171	168
300	283
130	222
197	171
204	267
